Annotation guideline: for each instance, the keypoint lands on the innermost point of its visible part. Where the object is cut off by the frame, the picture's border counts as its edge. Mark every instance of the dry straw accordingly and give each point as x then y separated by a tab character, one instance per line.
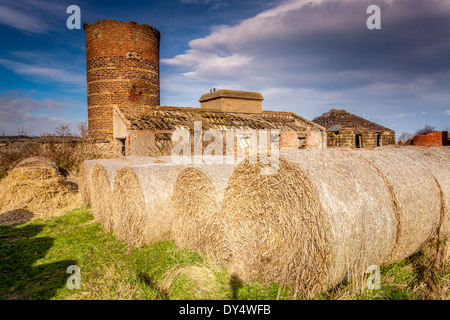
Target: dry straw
101	191
323	216
141	202
35	188
436	161
416	199
84	181
197	198
99	181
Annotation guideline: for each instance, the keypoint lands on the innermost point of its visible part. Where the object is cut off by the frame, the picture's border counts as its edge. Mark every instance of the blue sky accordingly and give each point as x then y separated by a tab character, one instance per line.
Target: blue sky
305	56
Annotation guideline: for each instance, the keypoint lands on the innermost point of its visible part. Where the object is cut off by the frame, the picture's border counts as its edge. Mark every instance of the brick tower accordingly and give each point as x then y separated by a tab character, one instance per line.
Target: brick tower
122	62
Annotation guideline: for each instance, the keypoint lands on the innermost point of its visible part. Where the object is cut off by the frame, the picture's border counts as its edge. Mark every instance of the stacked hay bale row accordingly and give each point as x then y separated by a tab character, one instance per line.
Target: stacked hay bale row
323	216
96	184
133	197
327	215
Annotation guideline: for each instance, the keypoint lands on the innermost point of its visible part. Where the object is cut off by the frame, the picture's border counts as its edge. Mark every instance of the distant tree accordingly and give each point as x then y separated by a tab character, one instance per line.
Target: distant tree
83	129
426	130
405	138
22	131
63	131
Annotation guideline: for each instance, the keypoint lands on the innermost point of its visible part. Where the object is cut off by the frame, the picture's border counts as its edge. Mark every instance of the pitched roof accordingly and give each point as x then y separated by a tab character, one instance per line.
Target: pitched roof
167	119
336	120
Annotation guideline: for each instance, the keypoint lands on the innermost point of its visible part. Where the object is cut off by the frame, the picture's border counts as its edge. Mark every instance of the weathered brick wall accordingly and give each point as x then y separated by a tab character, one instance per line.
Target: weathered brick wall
122	61
288	140
434	139
316	139
347	138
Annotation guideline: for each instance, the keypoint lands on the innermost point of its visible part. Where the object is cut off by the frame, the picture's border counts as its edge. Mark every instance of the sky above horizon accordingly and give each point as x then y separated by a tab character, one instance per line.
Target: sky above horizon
304	56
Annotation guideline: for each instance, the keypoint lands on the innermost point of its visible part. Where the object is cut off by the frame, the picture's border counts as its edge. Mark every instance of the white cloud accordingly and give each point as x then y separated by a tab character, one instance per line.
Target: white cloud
308	56
31	16
33	115
447	112
37	72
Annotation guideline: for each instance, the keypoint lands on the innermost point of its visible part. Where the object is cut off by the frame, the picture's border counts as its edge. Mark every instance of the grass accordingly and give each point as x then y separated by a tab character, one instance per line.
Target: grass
34	258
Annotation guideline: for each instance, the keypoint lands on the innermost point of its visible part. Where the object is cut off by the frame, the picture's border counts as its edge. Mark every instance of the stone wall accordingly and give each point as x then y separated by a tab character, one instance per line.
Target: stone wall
347	138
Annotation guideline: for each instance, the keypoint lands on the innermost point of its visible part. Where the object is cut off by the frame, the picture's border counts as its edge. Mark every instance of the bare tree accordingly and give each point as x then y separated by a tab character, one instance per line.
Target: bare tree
63	131
426	130
405	138
83	129
22	131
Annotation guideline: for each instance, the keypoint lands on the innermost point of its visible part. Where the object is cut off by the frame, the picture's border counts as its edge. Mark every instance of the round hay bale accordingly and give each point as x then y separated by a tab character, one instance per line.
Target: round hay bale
37	168
36	186
141	202
102	178
196	199
85	172
435	160
99	195
322	216
84	181
416	196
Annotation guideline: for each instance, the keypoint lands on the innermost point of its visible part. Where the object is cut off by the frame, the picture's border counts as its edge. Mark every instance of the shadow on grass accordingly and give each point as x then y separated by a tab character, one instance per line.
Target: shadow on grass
24	274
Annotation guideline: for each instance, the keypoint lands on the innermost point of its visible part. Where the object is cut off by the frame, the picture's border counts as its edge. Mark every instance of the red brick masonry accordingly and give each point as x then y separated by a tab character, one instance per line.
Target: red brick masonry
122	60
434	139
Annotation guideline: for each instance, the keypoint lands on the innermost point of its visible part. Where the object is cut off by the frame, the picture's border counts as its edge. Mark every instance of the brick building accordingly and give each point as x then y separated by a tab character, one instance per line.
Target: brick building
348	130
122	62
433	139
149	133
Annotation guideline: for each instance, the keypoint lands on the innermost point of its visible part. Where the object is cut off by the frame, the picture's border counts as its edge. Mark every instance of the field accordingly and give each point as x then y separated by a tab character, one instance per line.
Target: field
34	257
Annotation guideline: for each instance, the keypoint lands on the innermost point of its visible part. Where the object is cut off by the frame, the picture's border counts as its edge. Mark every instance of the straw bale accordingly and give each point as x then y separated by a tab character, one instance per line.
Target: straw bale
84	181
141	202
84	176
37	164
416	196
36	186
101	191
323	216
197	197
100	182
435	160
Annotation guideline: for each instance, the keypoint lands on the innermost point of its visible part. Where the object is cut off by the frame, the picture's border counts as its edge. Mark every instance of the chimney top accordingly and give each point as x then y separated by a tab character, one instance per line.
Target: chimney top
232	101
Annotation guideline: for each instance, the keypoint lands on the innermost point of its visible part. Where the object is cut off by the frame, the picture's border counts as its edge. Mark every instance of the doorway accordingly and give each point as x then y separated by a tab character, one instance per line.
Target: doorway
378	139
358	140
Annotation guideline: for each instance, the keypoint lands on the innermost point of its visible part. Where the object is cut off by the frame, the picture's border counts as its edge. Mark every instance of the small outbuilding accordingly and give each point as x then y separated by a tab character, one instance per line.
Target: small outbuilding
345	129
149	132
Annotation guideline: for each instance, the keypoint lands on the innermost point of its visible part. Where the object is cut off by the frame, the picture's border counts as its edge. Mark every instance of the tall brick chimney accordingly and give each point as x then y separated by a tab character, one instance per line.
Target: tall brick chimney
122	61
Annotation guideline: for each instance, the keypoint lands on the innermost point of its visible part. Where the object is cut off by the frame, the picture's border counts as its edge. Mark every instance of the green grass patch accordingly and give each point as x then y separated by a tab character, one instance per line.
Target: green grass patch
34	258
